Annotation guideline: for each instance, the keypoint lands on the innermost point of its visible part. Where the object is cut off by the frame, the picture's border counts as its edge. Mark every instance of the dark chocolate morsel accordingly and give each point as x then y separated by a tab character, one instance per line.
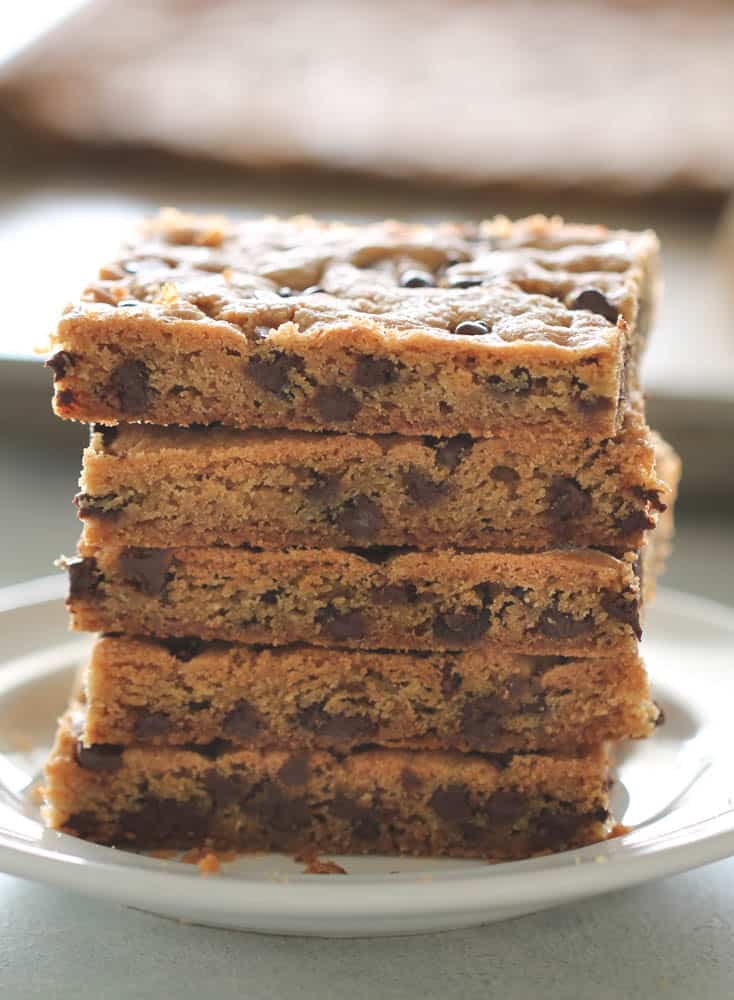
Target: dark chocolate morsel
296	769
169	822
185	647
324	488
452	803
467	625
364	820
422	489
99	756
567	501
242	721
410	781
395	593
339	727
89	506
450	680
84	576
595	301
471	328
624	610
211	750
504	474
130	383
224	790
65	397
335	404
108	431
273	373
360	518
151	724
341	625
416	279
505	806
371	372
636	520
452	451
59	363
146	569
559	625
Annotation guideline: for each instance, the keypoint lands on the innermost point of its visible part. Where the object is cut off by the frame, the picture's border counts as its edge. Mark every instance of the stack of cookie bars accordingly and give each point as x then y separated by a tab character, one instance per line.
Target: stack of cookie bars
369	519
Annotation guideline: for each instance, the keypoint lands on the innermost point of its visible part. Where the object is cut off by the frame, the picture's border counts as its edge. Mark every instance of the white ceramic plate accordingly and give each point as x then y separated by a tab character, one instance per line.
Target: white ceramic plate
675	790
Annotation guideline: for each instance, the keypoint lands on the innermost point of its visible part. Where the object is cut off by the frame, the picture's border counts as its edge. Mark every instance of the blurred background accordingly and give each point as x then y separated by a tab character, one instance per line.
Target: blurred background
616	112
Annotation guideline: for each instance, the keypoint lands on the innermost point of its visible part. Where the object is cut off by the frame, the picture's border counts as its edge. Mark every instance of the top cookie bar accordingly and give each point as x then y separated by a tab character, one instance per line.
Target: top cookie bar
386	327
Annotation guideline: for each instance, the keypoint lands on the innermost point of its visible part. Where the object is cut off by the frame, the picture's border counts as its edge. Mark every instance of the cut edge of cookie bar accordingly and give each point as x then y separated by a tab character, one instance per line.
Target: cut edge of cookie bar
363	350
190	692
376	801
163	486
558	602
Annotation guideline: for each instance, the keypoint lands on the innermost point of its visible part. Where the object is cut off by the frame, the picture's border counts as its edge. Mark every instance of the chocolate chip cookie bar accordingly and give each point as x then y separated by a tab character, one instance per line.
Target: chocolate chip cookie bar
557	602
528	328
185	691
377	801
159	486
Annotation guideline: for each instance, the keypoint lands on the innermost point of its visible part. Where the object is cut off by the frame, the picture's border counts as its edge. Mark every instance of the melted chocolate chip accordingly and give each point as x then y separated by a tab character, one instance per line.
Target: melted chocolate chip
273	373
451	451
505	806
184	648
636	520
422	489
617	606
165	821
595	301
89	506
471	328
242	721
504	474
558	625
451	803
199	706
335	404
146	569
410	781
364	820
467	625
224	791
341	625
360	518
279	811
130	383
336	726
109	433
416	279
65	397
99	756
324	488
296	769
270	597
371	372
151	724
567	501
59	363
395	594
84	576
450	680
211	750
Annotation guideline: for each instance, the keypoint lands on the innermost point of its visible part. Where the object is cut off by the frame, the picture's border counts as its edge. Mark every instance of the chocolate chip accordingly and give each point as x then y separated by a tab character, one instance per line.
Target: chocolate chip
558	625
89	506
480	714
364	820
451	452
450	680
296	769
99	756
410	781
422	489
130	383
636	520
505	806
595	301
471	328
416	279
169	822
624	610
371	372
65	397
59	363
594	405
270	597
108	432
224	790
324	489
467	625
146	569
504	474
341	625
199	706
489	591
84	576
360	518
242	721
279	811
566	500
452	803
151	724
395	593
375	554
273	373
335	404
184	648
211	750
556	829
336	726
